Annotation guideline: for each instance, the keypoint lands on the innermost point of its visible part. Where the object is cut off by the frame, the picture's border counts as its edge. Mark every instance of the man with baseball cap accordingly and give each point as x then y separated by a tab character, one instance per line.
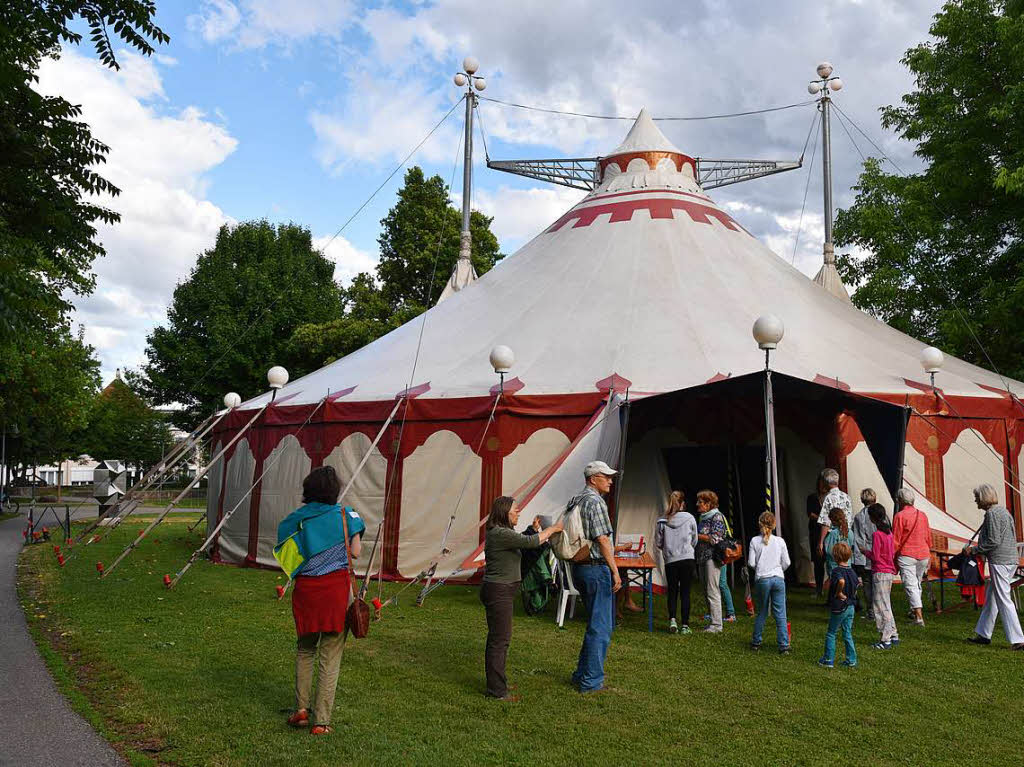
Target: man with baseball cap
596	577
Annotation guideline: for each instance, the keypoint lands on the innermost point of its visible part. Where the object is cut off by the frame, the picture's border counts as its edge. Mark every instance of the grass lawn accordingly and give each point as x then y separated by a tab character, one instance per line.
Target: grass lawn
202	675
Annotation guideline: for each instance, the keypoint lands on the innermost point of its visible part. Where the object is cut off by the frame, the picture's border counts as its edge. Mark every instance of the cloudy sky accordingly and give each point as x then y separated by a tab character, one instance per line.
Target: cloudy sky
254	111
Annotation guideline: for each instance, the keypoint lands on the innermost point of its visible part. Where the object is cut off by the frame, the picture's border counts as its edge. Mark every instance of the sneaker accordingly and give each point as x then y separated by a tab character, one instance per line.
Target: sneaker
730	619
784	651
712	630
978	639
895	641
847	664
707	617
685	629
299	719
673	627
1019	646
882	646
919	622
825	663
868	617
755	646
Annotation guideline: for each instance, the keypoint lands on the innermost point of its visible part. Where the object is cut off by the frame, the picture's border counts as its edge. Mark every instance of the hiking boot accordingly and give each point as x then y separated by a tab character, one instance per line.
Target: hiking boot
978	639
673	627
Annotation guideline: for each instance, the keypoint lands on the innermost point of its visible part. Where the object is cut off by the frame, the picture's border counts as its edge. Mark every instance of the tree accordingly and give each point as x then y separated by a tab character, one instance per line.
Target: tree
421	229
945	256
230	321
47	157
47	383
122	426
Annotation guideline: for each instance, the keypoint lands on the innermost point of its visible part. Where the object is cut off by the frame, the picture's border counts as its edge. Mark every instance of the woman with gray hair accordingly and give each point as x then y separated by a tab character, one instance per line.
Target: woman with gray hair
912	540
997	542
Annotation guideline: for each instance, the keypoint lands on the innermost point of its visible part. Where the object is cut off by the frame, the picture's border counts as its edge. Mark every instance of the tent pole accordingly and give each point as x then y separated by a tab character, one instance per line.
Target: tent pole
770	462
622	465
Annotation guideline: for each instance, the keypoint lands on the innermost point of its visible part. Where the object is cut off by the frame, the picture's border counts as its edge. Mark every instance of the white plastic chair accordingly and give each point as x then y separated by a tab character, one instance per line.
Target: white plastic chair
567	592
1017	583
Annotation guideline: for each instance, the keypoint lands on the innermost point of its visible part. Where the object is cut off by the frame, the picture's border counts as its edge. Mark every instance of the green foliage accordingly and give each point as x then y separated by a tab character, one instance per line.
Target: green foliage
47	157
411	693
124	427
47	383
420	229
230	321
945	254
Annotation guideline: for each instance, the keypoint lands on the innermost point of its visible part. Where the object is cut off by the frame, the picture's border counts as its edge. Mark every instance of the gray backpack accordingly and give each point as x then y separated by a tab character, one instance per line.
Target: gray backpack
570	545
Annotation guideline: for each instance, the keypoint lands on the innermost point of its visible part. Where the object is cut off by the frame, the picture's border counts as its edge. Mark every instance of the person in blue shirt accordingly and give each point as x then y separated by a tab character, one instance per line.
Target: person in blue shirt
842	596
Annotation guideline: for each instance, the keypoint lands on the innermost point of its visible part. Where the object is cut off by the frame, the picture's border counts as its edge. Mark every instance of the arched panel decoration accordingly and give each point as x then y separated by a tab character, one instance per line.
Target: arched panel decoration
969	462
862	472
233	541
432	479
367	493
214	483
521	467
280	493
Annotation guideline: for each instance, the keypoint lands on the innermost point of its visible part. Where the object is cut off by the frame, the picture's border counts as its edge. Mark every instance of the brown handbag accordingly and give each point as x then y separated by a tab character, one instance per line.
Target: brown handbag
357	616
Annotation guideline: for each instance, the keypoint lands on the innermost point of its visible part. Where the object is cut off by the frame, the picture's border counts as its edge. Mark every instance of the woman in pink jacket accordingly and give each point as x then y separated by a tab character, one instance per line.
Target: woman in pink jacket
912	539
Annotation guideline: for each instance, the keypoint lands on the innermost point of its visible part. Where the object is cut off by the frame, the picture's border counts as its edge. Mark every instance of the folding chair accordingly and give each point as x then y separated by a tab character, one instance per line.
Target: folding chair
1017	582
567	592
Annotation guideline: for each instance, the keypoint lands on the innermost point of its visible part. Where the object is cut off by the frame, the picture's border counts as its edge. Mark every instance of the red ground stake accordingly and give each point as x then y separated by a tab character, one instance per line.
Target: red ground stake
56	549
167	581
96	539
376	603
69	542
99	567
279	590
60	558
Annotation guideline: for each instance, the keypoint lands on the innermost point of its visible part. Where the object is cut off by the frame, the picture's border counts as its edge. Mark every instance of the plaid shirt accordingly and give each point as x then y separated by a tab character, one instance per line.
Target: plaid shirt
593	516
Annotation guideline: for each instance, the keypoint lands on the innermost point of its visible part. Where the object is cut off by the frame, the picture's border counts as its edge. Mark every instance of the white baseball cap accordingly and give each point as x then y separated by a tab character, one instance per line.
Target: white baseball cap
598	467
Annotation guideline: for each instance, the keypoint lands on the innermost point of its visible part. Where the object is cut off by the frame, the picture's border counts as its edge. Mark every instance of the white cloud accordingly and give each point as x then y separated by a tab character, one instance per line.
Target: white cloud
348	259
257	23
159	155
521	214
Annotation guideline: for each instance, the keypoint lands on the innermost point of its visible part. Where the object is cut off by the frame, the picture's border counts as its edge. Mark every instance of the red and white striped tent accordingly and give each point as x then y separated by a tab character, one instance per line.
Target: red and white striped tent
645	284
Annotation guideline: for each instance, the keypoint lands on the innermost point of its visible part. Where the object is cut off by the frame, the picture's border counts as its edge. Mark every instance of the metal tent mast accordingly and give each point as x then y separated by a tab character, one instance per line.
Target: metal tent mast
828	277
464	273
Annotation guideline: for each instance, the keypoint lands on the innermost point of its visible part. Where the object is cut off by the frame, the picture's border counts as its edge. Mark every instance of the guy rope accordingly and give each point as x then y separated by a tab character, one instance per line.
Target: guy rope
170	507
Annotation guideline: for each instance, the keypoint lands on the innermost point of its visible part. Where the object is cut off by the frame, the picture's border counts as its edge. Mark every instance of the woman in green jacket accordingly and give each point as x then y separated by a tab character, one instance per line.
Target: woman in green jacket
501	583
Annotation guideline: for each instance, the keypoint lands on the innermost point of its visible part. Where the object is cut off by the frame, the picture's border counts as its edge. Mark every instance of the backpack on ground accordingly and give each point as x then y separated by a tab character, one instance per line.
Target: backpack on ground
570	545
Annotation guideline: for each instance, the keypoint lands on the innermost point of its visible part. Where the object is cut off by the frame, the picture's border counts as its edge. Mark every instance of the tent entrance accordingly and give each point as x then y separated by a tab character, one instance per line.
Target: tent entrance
736	474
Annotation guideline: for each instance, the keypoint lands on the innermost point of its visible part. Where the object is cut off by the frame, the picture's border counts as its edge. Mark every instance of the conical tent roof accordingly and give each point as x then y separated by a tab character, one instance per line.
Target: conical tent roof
646	278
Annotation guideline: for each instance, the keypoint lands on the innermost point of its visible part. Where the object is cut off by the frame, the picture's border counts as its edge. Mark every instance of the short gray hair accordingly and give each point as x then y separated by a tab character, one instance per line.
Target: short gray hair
986	495
905	497
830	477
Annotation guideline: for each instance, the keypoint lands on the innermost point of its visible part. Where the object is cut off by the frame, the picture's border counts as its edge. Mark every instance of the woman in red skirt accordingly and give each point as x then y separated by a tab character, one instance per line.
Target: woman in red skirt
321	592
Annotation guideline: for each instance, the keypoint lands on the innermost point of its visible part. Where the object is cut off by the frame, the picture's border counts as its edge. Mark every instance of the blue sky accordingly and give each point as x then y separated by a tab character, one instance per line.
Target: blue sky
297	111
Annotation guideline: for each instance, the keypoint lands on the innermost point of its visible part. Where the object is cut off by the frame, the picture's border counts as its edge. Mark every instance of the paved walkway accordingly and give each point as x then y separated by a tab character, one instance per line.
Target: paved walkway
38	728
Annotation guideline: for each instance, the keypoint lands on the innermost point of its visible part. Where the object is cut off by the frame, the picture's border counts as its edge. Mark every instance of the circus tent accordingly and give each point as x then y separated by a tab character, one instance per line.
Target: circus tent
646	285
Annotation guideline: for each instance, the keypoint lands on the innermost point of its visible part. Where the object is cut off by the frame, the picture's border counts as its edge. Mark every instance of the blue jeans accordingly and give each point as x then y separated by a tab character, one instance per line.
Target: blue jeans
595	586
837	621
771	595
723	585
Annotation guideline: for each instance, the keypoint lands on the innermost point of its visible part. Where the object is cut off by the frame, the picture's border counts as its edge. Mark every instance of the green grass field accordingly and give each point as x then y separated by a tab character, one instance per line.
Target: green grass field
202	675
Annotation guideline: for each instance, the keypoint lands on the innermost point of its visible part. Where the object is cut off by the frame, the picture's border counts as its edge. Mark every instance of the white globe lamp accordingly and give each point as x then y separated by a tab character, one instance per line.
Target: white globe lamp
835	84
824	69
814	88
932	360
502	358
277	377
480	83
232	400
470	64
768	331
460	79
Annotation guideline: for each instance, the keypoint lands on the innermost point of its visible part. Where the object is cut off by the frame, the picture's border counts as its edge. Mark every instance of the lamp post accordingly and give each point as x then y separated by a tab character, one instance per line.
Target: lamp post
820	87
932	360
768	331
277	377
469	79
502	358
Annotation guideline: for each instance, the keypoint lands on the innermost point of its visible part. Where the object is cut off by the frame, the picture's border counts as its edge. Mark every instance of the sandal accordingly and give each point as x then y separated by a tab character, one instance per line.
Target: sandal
321	729
299	719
